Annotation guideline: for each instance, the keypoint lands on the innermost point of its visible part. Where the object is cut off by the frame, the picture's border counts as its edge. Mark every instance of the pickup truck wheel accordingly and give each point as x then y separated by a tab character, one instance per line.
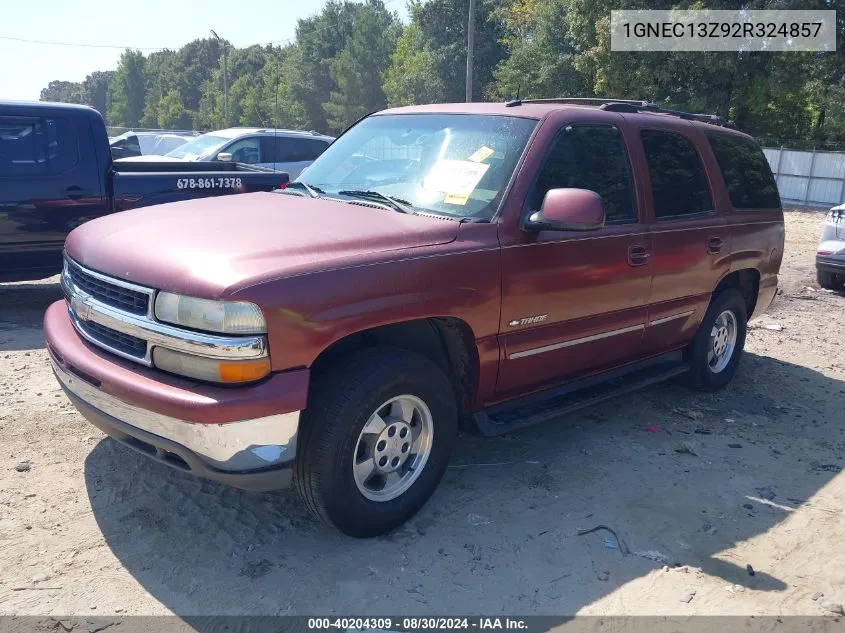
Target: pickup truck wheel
830	281
375	440
715	351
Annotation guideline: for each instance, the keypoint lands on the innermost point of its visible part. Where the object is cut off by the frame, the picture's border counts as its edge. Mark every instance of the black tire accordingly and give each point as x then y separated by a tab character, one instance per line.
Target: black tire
830	281
339	405
701	376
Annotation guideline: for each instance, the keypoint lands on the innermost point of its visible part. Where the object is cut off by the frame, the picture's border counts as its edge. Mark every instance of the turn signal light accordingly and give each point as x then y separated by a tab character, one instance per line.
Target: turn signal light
210	369
244	371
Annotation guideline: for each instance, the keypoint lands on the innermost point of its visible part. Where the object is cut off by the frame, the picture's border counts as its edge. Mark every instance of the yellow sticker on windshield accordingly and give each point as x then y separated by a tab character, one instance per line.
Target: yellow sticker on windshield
482	154
456	198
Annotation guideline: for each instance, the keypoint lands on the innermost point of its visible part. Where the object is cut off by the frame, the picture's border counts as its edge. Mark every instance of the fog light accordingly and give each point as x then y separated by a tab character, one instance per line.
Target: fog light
210	369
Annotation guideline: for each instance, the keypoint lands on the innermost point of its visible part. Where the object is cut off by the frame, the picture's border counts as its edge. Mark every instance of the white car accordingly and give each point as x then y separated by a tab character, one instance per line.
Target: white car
289	151
134	144
830	255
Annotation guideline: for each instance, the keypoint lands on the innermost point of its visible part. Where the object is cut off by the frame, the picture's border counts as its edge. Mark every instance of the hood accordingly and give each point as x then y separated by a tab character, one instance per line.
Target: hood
213	246
150	158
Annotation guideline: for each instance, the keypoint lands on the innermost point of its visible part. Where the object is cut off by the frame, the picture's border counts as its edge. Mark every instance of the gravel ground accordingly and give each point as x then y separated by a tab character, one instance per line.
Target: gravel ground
87	527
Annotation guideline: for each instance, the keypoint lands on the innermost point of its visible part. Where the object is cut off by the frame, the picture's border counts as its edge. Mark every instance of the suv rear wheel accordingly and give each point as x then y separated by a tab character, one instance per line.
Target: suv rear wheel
375	440
715	351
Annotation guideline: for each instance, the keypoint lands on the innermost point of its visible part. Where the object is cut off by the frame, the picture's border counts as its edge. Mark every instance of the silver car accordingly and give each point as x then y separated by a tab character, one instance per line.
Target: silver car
290	151
830	255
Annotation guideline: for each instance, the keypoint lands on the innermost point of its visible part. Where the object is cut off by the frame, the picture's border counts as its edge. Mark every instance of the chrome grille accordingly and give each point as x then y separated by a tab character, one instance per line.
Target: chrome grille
116	296
117	316
131	345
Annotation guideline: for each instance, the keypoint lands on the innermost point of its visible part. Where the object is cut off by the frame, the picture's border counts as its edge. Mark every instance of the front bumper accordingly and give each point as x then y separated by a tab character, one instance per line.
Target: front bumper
243	436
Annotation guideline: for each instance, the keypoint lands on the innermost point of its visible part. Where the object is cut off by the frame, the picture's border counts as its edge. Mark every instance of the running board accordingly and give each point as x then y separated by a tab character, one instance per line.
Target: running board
552	403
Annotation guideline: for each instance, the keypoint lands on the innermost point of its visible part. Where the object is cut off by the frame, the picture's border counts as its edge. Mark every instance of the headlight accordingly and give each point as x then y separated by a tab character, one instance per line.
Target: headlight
227	317
210	369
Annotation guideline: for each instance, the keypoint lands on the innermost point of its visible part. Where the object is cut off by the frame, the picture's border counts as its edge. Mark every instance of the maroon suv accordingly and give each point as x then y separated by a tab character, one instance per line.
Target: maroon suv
480	265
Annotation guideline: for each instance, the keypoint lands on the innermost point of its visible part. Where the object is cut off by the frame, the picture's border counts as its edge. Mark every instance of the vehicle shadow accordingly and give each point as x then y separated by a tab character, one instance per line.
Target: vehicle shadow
679	477
22	307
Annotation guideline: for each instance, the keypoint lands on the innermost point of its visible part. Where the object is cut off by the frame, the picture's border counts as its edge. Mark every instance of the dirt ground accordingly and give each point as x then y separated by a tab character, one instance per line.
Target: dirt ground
91	528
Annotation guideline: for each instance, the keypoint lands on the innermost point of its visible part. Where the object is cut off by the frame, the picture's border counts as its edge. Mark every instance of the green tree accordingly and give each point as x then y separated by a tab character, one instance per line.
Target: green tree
64	92
358	69
127	91
245	70
158	71
411	77
193	65
321	38
543	60
444	27
96	87
278	95
172	114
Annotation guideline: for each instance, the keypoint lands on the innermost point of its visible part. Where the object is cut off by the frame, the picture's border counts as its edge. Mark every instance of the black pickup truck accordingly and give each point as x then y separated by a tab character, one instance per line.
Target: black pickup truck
56	172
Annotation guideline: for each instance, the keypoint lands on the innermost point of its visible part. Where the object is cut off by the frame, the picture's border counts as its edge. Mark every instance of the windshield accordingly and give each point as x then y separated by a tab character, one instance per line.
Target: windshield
450	164
200	145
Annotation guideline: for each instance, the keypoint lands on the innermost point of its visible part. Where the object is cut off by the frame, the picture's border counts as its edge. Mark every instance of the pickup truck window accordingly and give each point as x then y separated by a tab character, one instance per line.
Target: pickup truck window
31	146
678	180
589	157
450	164
746	171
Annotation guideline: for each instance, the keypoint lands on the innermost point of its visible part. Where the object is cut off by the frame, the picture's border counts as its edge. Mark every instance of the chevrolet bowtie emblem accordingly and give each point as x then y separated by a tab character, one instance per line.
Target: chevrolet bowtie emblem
81	307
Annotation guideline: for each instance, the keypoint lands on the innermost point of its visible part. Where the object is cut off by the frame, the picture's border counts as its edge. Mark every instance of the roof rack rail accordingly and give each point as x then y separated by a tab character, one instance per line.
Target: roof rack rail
585	101
630	106
713	119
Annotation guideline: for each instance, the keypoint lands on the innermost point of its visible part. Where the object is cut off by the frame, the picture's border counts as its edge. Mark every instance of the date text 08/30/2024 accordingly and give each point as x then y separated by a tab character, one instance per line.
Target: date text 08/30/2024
415	624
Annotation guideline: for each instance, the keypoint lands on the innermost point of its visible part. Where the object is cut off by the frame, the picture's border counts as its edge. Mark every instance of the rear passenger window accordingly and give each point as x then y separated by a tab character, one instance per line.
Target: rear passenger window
746	171
678	181
293	150
589	157
37	146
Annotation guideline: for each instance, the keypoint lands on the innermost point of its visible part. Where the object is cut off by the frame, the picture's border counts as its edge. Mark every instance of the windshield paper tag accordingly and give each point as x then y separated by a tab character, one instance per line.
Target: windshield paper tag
482	154
455	178
456	198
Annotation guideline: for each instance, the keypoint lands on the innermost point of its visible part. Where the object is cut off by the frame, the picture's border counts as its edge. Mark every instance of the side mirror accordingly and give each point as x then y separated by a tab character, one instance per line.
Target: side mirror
224	157
568	210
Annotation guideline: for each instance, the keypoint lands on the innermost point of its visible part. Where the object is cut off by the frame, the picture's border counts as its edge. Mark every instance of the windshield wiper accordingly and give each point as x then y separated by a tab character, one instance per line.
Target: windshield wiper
397	204
312	191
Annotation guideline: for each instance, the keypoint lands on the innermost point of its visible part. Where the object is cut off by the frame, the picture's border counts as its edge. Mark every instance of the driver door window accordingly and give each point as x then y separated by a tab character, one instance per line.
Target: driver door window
247	150
589	157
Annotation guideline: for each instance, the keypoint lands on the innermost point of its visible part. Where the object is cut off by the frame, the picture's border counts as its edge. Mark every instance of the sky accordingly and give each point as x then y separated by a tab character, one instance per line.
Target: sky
26	68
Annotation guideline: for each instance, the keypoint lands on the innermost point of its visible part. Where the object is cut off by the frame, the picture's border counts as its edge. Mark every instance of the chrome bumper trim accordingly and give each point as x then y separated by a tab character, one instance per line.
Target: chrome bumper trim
235	446
85	308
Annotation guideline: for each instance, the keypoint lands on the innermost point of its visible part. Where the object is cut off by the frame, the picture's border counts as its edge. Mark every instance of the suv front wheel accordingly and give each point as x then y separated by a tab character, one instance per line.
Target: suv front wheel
714	353
375	440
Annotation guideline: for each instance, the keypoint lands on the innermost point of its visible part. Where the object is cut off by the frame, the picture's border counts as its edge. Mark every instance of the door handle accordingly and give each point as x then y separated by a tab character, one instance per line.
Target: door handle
638	255
715	245
75	193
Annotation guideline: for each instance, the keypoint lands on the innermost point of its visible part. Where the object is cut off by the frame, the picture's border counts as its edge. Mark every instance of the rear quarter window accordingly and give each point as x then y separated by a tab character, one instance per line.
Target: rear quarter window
746	172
